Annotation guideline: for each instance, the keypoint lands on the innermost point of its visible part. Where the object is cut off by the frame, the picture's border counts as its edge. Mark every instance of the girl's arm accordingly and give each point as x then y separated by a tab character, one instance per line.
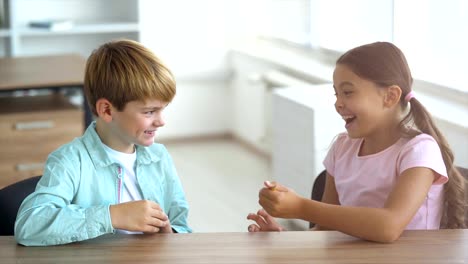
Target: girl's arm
330	196
377	224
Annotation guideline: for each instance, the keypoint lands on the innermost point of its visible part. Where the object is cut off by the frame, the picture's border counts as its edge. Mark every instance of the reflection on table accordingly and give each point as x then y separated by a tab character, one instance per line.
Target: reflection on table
437	246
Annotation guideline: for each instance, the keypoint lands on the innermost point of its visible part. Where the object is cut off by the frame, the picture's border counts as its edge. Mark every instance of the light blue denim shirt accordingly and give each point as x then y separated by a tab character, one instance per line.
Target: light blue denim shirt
80	181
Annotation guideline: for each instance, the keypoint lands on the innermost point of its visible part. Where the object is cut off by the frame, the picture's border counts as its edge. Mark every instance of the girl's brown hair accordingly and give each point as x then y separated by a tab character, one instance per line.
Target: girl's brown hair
124	70
384	64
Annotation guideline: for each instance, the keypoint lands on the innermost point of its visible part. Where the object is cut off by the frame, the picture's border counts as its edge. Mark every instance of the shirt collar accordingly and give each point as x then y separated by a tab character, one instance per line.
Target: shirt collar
100	158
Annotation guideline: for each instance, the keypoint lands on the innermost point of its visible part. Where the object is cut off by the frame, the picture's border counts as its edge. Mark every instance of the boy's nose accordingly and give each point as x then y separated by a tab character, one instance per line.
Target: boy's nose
159	121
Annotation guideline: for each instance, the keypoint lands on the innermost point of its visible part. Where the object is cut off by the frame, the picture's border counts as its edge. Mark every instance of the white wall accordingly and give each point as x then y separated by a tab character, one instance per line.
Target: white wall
190	37
200	108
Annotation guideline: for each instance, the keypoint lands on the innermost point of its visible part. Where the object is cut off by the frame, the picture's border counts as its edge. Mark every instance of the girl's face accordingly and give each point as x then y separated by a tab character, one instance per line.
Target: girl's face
359	102
136	124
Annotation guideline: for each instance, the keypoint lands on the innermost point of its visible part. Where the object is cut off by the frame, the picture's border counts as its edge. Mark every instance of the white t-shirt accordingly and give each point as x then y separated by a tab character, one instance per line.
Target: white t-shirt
366	181
130	188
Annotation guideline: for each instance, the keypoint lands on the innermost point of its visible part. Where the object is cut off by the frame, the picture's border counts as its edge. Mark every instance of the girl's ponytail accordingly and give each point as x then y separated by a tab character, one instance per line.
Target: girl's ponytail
454	190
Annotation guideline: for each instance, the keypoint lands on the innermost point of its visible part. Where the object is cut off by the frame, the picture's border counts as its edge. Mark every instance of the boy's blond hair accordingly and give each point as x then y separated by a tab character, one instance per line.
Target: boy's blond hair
124	70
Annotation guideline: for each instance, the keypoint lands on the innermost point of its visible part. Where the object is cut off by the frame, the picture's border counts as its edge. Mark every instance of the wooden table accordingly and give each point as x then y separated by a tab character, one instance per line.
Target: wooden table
441	246
44	72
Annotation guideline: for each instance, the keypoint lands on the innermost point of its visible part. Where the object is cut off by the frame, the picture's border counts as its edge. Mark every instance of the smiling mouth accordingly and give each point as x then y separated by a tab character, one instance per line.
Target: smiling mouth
150	132
348	119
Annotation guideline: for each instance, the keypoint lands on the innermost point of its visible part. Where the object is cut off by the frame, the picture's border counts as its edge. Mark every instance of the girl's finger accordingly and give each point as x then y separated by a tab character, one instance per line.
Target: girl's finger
253	228
267	218
258	219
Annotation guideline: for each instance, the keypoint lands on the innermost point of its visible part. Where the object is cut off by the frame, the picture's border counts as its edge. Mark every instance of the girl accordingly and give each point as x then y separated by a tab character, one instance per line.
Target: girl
389	172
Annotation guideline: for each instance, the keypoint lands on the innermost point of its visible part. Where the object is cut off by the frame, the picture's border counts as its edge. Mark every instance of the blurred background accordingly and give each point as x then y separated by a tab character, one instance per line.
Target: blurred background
254	99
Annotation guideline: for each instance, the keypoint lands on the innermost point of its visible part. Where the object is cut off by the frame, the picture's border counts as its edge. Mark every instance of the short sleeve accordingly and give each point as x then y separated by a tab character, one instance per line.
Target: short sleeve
330	159
423	151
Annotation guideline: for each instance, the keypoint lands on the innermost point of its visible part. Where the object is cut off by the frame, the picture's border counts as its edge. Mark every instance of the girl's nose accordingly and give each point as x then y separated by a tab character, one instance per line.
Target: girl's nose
338	104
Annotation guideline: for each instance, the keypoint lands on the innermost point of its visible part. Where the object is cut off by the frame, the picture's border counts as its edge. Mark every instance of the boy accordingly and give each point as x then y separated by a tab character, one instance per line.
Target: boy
113	178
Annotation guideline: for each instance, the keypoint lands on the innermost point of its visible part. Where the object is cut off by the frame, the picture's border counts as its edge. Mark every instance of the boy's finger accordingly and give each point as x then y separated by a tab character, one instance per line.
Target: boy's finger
158	223
151	229
159	215
154	205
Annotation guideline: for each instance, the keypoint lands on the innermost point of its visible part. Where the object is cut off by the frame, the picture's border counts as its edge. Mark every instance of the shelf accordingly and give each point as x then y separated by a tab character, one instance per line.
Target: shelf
94	22
4	32
82	29
40	103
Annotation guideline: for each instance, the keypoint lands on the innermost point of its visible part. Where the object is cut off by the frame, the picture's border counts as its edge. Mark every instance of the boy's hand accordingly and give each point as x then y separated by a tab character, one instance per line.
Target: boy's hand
167	228
139	216
280	201
265	222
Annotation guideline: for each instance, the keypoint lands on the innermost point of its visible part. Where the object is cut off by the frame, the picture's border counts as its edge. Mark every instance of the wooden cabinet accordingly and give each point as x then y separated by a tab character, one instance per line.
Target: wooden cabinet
30	129
33	126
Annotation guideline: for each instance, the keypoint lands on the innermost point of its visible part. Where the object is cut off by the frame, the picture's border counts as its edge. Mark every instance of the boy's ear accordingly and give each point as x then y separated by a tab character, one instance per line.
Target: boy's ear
104	109
392	96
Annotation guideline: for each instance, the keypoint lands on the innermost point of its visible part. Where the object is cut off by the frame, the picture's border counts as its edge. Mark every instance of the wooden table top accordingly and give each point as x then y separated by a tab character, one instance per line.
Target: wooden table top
437	246
41	71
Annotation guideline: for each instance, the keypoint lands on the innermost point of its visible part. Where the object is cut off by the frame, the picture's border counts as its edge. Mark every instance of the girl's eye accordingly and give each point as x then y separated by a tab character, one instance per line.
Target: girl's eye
149	113
347	92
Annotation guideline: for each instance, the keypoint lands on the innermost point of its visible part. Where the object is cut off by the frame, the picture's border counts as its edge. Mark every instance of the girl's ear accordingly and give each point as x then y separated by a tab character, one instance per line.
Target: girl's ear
104	109
392	96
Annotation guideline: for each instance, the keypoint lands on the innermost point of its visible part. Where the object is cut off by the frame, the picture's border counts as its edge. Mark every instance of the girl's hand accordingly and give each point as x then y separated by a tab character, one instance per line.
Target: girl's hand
280	201
265	222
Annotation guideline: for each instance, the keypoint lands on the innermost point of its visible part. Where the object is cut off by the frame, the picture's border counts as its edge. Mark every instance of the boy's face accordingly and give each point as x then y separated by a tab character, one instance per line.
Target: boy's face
136	124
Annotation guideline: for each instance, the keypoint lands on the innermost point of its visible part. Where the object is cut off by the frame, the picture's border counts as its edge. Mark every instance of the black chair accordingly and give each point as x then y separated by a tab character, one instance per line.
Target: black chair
317	189
11	198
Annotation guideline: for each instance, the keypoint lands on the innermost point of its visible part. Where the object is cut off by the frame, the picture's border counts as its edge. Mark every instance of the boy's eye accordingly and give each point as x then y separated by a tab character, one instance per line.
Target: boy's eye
347	92
149	112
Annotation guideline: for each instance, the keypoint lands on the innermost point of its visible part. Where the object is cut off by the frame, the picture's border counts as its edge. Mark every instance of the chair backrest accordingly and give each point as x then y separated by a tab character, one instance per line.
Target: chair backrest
11	198
317	189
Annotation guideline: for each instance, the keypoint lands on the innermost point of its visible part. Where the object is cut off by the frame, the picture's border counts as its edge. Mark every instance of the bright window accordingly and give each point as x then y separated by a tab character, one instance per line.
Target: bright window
432	33
342	24
434	36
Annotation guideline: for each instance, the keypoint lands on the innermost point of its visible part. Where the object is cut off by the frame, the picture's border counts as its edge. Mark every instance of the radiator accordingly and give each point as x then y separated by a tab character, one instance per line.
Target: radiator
277	80
304	125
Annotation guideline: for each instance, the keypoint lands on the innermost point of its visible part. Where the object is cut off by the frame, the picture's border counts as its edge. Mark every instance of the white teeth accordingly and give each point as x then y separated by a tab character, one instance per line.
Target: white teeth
347	117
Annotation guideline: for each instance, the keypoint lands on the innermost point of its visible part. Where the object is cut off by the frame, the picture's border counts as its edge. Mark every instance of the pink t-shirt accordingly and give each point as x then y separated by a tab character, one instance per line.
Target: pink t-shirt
367	181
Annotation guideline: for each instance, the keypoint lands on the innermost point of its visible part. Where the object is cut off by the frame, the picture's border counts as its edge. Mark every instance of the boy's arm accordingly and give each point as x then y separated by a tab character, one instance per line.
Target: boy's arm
178	207
48	217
